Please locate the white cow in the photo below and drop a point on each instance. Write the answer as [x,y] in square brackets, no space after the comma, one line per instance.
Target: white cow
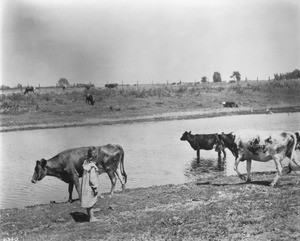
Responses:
[263,146]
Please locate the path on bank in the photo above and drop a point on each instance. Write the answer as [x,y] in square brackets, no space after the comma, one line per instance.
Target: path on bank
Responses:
[207,113]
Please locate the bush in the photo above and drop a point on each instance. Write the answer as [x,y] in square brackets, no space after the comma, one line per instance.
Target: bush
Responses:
[237,88]
[182,89]
[217,77]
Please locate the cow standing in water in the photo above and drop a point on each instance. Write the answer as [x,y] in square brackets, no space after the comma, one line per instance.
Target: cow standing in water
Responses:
[262,146]
[67,166]
[205,142]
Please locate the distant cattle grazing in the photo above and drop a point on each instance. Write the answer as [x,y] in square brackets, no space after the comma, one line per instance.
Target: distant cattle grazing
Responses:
[260,146]
[111,86]
[28,89]
[205,142]
[229,104]
[89,99]
[67,165]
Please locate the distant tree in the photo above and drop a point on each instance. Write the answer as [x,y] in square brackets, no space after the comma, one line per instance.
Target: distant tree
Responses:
[236,75]
[63,82]
[204,79]
[4,87]
[295,74]
[217,77]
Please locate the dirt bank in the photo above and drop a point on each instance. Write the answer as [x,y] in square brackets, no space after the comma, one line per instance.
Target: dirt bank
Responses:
[206,113]
[55,108]
[211,208]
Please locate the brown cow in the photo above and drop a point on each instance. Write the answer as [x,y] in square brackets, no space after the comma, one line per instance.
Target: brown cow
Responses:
[89,99]
[67,165]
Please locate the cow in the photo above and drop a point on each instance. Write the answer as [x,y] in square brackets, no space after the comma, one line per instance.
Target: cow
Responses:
[67,166]
[229,104]
[28,89]
[298,140]
[111,86]
[205,142]
[261,146]
[296,160]
[89,99]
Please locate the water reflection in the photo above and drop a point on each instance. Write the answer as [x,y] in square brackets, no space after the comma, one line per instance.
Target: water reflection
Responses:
[195,169]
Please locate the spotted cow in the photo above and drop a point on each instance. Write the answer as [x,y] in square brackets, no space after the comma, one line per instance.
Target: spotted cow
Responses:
[262,146]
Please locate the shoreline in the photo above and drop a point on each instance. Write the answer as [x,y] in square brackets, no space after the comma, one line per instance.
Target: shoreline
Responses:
[213,207]
[156,117]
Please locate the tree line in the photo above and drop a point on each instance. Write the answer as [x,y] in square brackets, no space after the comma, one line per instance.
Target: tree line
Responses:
[289,75]
[237,76]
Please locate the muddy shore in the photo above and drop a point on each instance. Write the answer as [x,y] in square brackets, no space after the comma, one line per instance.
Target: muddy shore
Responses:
[213,207]
[207,113]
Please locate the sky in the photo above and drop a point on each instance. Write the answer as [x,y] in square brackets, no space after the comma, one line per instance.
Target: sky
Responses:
[143,41]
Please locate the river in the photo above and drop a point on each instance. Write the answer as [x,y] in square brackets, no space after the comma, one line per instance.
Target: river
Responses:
[154,155]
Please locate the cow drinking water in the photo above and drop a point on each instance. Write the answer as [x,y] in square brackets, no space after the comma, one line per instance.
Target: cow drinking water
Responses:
[67,165]
[205,142]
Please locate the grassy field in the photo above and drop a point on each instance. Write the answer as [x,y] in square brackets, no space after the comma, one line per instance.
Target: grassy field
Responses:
[55,106]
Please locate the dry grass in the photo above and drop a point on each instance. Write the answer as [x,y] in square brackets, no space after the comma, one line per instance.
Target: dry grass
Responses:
[51,105]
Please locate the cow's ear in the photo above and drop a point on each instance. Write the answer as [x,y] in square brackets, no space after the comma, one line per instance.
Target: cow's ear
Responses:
[37,162]
[190,132]
[44,162]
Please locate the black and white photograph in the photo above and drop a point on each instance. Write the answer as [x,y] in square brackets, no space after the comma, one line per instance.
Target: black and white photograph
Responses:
[150,120]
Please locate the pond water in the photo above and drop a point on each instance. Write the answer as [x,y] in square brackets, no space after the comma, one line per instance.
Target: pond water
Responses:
[154,155]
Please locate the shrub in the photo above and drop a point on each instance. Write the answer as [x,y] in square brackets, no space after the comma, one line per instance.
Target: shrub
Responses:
[217,77]
[182,89]
[237,88]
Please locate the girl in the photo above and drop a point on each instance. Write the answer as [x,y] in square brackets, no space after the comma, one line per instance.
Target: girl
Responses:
[89,186]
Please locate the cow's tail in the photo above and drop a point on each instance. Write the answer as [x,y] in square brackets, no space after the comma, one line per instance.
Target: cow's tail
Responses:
[122,164]
[294,149]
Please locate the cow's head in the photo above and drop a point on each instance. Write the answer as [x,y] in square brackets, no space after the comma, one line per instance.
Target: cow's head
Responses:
[92,154]
[220,146]
[185,136]
[229,142]
[40,171]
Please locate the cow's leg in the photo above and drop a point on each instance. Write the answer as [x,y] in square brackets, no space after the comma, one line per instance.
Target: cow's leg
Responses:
[219,160]
[71,186]
[198,156]
[224,153]
[236,164]
[75,178]
[248,167]
[121,178]
[113,180]
[277,161]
